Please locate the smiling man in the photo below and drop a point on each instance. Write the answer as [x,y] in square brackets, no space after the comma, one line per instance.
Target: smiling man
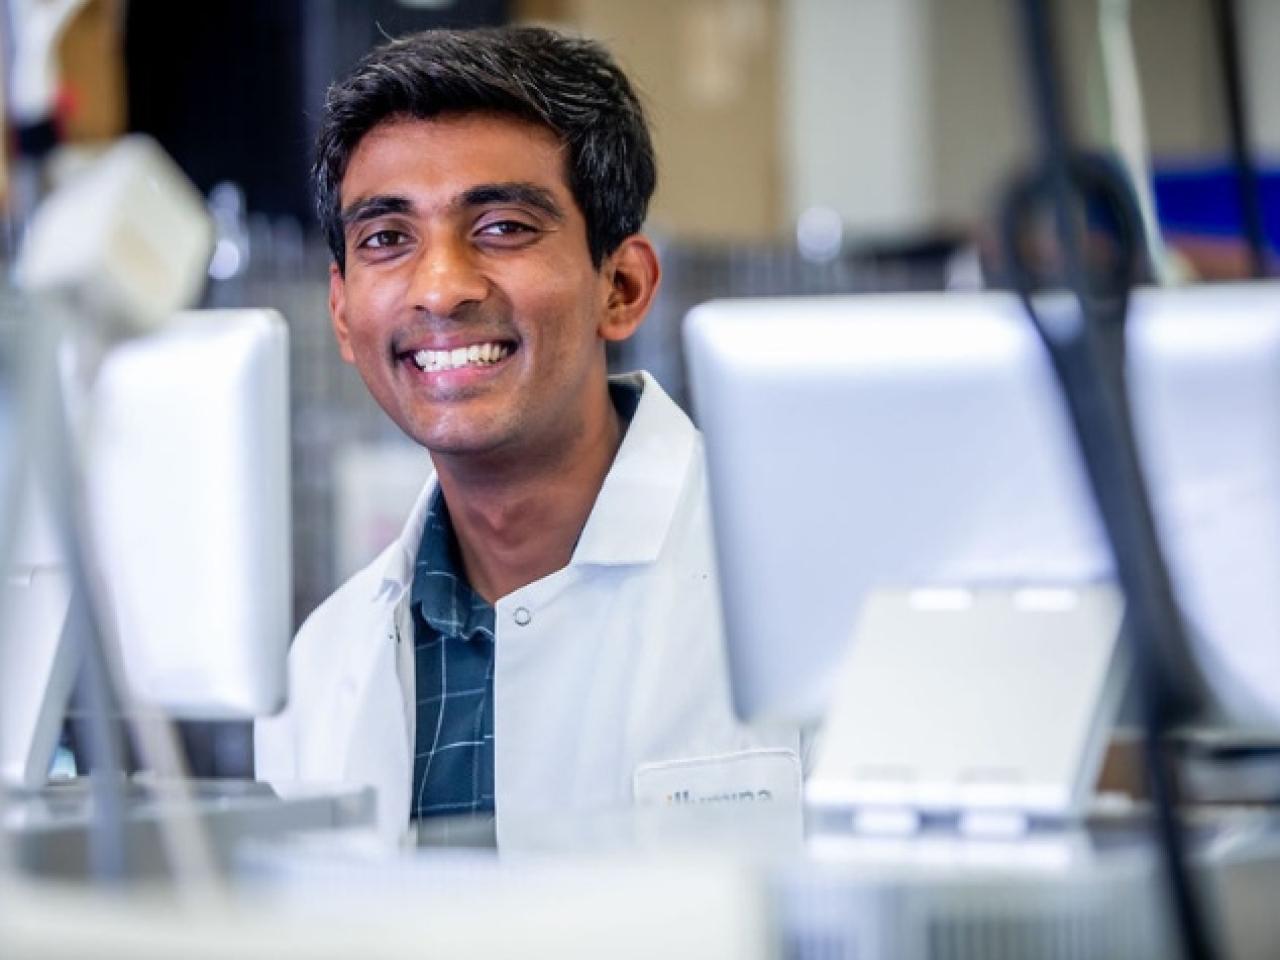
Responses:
[544,637]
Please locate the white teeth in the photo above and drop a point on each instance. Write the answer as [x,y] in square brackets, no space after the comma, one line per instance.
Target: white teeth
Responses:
[477,354]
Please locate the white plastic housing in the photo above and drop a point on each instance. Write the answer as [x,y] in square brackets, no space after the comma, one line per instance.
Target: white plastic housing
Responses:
[128,239]
[920,439]
[37,671]
[954,700]
[188,483]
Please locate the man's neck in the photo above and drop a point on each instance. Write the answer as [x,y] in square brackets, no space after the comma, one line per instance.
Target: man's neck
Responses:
[518,525]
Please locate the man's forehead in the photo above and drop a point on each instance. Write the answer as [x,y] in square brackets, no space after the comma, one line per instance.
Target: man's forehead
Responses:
[457,151]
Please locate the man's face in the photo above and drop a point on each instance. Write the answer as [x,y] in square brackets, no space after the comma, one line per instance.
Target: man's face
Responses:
[470,305]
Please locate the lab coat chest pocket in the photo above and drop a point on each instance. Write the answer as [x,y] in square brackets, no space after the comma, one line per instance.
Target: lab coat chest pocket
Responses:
[760,776]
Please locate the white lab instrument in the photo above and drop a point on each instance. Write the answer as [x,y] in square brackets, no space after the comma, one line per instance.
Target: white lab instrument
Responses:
[919,440]
[989,707]
[38,668]
[125,243]
[187,476]
[113,254]
[181,424]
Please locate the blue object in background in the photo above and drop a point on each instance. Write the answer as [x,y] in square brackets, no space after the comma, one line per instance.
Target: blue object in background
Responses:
[1204,200]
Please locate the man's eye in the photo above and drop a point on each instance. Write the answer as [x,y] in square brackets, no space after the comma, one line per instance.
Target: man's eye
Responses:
[505,228]
[382,239]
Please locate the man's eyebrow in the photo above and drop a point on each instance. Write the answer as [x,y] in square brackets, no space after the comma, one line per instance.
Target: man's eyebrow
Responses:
[373,207]
[516,192]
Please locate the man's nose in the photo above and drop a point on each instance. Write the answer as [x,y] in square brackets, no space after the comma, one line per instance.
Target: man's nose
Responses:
[447,278]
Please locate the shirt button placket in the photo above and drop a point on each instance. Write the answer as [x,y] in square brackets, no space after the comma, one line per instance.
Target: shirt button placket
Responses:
[521,616]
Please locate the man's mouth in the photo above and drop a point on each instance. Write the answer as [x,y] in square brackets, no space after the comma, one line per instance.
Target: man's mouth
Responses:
[474,355]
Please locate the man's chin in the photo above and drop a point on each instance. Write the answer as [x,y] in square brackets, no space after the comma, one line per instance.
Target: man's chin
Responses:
[456,429]
[477,444]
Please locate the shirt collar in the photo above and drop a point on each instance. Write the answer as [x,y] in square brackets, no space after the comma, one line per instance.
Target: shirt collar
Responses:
[440,589]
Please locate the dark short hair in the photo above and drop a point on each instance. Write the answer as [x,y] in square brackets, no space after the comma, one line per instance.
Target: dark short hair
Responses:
[571,86]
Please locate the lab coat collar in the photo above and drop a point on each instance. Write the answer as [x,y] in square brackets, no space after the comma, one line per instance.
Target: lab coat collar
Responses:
[632,512]
[637,503]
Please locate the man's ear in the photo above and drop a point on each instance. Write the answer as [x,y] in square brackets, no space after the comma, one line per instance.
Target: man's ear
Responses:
[633,274]
[338,312]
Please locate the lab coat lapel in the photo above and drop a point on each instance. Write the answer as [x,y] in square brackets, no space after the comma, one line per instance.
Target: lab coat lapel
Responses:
[373,721]
[377,749]
[635,506]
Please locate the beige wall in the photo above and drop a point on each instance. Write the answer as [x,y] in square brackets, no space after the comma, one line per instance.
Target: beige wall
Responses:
[1178,64]
[975,104]
[708,72]
[982,124]
[1261,51]
[857,116]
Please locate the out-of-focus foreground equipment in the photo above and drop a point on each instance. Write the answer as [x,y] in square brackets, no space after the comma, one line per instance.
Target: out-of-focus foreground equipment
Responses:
[151,445]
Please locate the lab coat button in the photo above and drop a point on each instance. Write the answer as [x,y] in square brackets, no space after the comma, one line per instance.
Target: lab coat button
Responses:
[522,616]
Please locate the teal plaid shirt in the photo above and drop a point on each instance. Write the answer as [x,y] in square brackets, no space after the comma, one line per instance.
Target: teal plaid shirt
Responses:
[453,662]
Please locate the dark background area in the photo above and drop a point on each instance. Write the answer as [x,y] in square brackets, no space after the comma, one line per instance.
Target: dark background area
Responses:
[207,79]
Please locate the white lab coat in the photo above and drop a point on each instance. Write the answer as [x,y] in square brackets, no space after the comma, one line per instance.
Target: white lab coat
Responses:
[610,684]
